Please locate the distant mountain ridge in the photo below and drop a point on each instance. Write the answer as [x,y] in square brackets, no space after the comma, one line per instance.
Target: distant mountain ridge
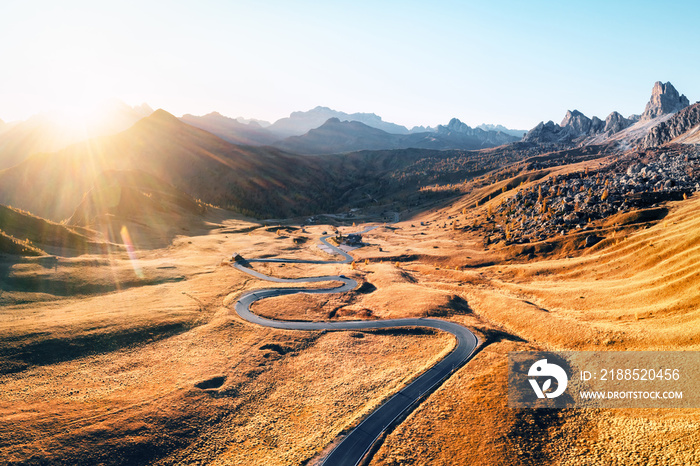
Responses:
[336,136]
[232,129]
[577,128]
[322,130]
[299,123]
[518,133]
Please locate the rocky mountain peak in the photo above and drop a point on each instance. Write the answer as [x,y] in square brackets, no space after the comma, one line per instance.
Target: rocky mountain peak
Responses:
[457,126]
[665,99]
[616,122]
[577,121]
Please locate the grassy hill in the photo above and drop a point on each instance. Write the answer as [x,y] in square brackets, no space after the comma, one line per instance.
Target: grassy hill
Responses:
[150,210]
[22,233]
[194,161]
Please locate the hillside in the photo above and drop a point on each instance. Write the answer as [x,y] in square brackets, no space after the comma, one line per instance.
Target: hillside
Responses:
[336,136]
[231,130]
[192,160]
[22,233]
[135,207]
[50,133]
[680,128]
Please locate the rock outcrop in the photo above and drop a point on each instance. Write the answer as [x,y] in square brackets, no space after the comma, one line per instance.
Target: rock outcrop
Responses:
[665,99]
[574,127]
[616,122]
[547,133]
[679,124]
[580,124]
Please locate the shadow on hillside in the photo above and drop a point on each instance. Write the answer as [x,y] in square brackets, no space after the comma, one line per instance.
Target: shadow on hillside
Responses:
[18,353]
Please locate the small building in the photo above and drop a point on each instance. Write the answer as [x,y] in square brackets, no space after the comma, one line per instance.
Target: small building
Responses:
[353,239]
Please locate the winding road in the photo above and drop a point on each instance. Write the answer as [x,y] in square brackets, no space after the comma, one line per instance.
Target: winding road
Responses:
[357,443]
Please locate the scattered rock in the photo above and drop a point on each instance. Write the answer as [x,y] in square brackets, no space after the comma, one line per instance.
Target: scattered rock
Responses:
[214,382]
[592,240]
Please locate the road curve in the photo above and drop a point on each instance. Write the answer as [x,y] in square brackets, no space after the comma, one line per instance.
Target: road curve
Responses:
[354,446]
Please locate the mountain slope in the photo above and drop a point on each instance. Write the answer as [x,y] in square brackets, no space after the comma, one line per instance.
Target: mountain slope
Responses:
[336,136]
[24,234]
[49,133]
[194,161]
[683,127]
[134,207]
[231,130]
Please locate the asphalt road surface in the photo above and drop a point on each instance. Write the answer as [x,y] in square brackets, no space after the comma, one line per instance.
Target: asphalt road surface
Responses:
[357,443]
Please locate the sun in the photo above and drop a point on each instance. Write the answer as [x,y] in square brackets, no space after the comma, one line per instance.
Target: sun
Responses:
[76,115]
[78,107]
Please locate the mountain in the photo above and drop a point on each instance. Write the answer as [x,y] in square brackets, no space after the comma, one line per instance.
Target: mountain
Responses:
[683,127]
[204,166]
[577,128]
[232,130]
[336,136]
[247,121]
[615,123]
[462,136]
[665,99]
[518,133]
[422,129]
[299,123]
[79,182]
[49,133]
[113,116]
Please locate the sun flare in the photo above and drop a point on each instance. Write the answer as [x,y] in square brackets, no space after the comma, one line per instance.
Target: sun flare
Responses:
[75,115]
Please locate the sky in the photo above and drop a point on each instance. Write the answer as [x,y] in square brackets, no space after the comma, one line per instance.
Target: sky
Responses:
[514,63]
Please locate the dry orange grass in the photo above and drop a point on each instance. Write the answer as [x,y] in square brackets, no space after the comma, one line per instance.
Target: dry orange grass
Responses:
[284,395]
[113,376]
[643,292]
[467,421]
[636,291]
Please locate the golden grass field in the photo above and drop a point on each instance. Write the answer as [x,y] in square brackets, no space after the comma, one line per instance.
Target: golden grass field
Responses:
[151,364]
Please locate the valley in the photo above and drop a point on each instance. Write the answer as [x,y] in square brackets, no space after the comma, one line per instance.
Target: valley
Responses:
[121,340]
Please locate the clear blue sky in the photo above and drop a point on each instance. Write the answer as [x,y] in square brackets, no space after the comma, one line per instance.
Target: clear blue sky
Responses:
[413,63]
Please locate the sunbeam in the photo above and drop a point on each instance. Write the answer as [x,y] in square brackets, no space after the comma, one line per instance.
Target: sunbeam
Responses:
[126,239]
